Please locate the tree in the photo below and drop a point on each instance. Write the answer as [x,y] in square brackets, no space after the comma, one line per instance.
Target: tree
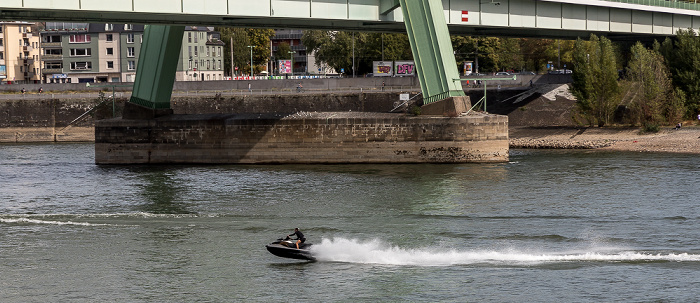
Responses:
[595,79]
[260,38]
[485,50]
[510,56]
[683,57]
[652,82]
[283,50]
[239,38]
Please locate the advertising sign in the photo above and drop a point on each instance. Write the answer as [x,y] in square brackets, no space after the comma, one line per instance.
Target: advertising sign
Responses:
[285,66]
[383,68]
[404,68]
[3,72]
[468,68]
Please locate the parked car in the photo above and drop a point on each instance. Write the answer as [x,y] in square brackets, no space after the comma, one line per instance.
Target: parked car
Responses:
[502,74]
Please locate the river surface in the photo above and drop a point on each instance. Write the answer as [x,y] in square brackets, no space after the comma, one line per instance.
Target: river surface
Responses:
[549,226]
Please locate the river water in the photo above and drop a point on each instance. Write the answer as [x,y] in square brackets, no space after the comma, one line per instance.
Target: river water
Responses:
[549,226]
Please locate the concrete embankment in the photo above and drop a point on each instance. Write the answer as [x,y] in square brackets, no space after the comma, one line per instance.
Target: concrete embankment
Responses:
[303,137]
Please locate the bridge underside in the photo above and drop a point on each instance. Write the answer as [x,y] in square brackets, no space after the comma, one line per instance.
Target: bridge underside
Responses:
[565,19]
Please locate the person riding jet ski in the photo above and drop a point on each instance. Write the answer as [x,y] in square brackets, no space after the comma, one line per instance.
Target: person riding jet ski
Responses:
[299,235]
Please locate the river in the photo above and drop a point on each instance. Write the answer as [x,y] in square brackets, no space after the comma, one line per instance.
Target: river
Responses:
[549,226]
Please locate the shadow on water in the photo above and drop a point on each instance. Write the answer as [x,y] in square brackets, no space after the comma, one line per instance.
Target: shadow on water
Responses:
[160,190]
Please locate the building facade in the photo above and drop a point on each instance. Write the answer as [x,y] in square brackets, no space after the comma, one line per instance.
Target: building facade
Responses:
[201,55]
[104,53]
[19,53]
[90,52]
[304,62]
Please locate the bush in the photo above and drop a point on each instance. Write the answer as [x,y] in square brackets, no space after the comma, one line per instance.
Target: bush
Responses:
[650,128]
[414,110]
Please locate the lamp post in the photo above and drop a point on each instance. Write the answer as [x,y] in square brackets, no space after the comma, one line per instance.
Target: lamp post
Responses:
[251,59]
[291,56]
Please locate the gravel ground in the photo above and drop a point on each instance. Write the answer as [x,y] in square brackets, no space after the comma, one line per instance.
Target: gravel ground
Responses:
[684,140]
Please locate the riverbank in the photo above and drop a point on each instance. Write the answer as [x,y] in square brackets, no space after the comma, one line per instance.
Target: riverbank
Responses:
[684,140]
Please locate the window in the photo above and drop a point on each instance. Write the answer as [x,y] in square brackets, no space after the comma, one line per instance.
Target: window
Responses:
[128,27]
[189,66]
[110,64]
[110,38]
[219,51]
[80,52]
[195,51]
[80,65]
[0,40]
[130,52]
[189,37]
[132,65]
[109,27]
[196,64]
[195,37]
[2,56]
[52,39]
[208,65]
[207,53]
[129,38]
[189,49]
[80,38]
[53,65]
[53,51]
[110,51]
[219,64]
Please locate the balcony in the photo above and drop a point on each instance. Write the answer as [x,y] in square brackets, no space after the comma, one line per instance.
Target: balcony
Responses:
[28,61]
[50,44]
[27,35]
[287,37]
[52,71]
[52,57]
[27,48]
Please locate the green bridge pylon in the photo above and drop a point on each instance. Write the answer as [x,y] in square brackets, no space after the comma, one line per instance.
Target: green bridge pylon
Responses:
[157,65]
[432,49]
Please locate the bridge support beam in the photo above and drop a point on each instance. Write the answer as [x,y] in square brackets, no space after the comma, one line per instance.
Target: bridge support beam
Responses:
[155,73]
[432,49]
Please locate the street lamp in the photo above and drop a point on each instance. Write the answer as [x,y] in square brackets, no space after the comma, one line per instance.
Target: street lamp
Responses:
[291,56]
[251,59]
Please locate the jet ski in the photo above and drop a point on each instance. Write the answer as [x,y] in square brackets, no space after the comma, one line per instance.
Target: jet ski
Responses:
[287,248]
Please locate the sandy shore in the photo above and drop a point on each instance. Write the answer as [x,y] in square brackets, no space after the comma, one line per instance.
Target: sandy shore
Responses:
[685,140]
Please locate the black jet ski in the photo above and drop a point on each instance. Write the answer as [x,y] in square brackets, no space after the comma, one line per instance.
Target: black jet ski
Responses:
[287,248]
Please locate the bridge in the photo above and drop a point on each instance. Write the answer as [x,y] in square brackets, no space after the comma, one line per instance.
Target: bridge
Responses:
[428,23]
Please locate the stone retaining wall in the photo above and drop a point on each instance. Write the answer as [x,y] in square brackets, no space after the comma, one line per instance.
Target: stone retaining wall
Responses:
[331,137]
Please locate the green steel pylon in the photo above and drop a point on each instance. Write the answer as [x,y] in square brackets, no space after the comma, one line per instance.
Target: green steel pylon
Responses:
[157,65]
[432,49]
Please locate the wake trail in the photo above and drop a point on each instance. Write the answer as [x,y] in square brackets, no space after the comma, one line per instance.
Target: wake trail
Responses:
[378,252]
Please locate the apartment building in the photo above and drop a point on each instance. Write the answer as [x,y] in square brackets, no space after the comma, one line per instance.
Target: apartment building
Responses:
[201,56]
[90,52]
[19,53]
[304,63]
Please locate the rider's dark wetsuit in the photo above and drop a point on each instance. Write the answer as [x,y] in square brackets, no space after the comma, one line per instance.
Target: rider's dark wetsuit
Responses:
[299,236]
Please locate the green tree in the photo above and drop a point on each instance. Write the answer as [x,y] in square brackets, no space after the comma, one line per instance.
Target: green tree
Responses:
[510,55]
[485,50]
[260,38]
[335,48]
[283,50]
[683,57]
[595,79]
[652,83]
[239,38]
